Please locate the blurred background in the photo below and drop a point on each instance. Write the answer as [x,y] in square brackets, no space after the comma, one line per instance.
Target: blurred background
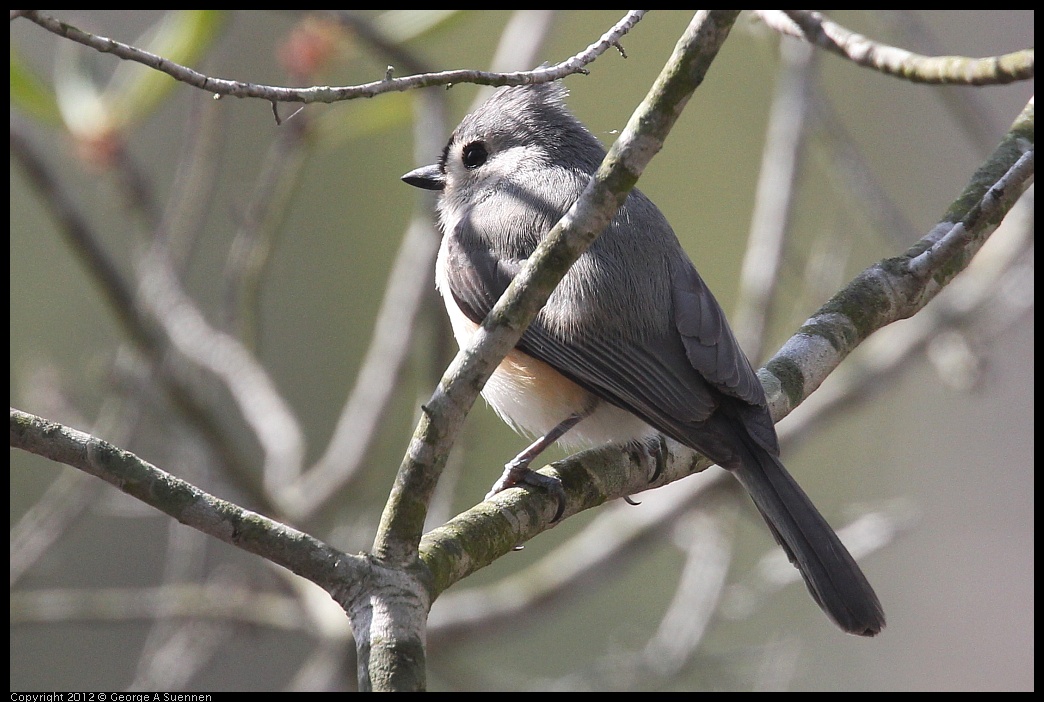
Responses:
[284,235]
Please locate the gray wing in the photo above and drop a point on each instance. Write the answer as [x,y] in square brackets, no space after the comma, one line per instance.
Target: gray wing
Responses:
[709,343]
[674,380]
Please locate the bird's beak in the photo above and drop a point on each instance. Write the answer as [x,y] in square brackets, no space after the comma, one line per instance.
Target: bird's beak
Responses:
[426,177]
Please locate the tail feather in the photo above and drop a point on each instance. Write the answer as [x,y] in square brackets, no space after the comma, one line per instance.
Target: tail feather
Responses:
[831,574]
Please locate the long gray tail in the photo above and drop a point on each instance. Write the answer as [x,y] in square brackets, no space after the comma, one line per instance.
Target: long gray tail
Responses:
[831,574]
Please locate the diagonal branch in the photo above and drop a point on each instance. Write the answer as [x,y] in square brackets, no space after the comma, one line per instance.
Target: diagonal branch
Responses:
[899,287]
[303,554]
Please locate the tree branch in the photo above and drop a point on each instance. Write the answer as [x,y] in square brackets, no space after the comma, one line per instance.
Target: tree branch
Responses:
[891,290]
[949,70]
[326,94]
[305,555]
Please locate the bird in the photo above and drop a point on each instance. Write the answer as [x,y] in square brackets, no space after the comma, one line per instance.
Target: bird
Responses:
[631,346]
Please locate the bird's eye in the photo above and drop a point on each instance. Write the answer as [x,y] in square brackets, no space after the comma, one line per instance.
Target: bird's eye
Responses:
[474,155]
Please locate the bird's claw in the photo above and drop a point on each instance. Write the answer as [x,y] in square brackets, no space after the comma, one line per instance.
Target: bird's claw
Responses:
[521,475]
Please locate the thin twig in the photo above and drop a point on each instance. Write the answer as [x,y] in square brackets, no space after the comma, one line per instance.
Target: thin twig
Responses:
[954,70]
[325,94]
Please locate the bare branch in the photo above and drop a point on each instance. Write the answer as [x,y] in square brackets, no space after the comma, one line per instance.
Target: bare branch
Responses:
[956,70]
[324,94]
[225,521]
[994,204]
[890,290]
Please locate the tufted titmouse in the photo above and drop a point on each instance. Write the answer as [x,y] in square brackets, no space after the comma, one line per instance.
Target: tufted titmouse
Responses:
[630,345]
